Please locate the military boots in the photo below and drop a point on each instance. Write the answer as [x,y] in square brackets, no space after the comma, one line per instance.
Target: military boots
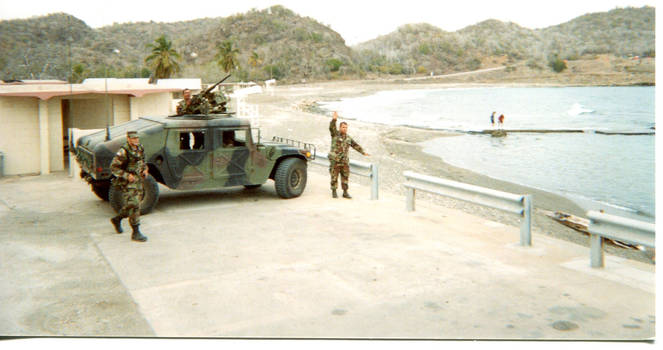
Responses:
[136,235]
[334,195]
[346,195]
[117,223]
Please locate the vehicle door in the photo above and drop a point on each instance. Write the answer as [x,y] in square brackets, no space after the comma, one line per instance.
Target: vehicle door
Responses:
[190,158]
[231,155]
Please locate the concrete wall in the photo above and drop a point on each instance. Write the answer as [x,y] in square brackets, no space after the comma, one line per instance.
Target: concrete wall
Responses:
[19,135]
[55,140]
[121,109]
[20,132]
[89,113]
[159,104]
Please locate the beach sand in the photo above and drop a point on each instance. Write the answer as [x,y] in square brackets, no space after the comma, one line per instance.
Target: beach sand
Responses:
[290,111]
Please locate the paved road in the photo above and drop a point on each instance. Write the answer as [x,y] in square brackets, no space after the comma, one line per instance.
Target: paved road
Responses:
[237,263]
[478,71]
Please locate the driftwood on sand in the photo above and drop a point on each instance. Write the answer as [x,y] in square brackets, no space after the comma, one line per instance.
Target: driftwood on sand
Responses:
[582,225]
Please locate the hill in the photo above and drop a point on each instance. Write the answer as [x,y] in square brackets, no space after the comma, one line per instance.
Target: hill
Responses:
[278,43]
[287,45]
[620,32]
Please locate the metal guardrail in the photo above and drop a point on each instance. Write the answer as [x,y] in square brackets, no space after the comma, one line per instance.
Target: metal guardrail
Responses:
[520,205]
[603,225]
[364,169]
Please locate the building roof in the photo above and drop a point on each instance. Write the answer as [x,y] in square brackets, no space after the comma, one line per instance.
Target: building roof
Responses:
[45,95]
[45,90]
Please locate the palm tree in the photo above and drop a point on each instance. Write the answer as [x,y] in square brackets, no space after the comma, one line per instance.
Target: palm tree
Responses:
[163,59]
[227,56]
[254,59]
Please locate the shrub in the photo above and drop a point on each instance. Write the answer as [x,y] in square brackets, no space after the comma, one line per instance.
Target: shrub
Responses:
[396,68]
[557,64]
[273,71]
[334,64]
[473,64]
[424,49]
[316,37]
[533,64]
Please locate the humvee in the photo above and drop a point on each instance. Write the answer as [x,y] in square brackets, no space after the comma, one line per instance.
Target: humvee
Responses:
[194,152]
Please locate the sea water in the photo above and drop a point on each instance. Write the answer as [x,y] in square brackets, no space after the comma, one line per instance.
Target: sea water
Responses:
[596,170]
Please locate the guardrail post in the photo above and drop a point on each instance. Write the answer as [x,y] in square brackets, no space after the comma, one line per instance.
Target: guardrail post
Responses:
[374,179]
[409,200]
[602,226]
[526,225]
[596,251]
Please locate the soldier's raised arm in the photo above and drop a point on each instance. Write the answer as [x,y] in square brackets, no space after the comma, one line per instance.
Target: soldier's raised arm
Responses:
[332,125]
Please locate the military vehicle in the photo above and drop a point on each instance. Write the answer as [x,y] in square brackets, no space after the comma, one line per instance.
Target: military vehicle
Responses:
[194,152]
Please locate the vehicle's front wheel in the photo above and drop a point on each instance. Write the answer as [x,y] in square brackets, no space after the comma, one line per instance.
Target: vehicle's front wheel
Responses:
[147,203]
[290,178]
[101,189]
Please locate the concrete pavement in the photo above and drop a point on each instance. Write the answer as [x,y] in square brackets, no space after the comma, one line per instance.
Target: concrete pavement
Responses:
[244,263]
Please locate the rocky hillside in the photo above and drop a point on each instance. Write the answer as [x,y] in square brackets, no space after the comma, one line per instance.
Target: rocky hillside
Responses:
[425,48]
[277,43]
[288,47]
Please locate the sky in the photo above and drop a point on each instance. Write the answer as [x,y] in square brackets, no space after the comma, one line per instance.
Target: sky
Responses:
[355,20]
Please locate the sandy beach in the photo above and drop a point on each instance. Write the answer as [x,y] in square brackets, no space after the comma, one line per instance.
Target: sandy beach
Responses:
[290,111]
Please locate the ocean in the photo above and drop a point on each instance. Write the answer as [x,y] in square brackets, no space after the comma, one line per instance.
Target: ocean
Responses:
[613,171]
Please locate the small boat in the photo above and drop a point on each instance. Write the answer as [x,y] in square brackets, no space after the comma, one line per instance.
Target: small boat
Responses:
[497,133]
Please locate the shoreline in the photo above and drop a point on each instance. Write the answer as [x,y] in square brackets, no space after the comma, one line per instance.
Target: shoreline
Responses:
[285,111]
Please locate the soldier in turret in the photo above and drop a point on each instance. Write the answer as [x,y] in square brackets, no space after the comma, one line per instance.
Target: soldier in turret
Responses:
[129,168]
[197,104]
[339,161]
[186,101]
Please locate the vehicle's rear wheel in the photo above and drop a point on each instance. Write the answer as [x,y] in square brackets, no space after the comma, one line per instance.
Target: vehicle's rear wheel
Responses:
[290,178]
[147,203]
[101,189]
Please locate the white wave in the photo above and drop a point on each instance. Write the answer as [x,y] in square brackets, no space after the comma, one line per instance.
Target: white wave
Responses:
[578,109]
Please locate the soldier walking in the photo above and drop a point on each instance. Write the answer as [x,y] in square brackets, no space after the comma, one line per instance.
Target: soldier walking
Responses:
[129,168]
[339,160]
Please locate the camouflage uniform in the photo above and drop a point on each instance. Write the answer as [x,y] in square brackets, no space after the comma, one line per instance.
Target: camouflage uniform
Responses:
[339,160]
[198,105]
[129,161]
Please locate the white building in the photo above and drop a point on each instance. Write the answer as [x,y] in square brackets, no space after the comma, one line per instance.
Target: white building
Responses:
[35,115]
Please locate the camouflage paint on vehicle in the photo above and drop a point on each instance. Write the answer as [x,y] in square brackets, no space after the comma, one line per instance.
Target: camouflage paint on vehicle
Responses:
[187,152]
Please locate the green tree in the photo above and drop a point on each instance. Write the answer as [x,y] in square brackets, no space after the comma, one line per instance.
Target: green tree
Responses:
[163,59]
[226,56]
[254,59]
[78,73]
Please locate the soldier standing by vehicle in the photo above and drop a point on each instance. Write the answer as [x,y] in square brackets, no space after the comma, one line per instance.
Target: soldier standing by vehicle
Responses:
[129,168]
[339,160]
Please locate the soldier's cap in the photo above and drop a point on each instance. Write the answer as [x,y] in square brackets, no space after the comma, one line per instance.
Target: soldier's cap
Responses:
[132,134]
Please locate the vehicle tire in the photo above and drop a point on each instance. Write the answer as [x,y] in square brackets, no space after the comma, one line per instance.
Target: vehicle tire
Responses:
[147,203]
[290,178]
[101,189]
[252,187]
